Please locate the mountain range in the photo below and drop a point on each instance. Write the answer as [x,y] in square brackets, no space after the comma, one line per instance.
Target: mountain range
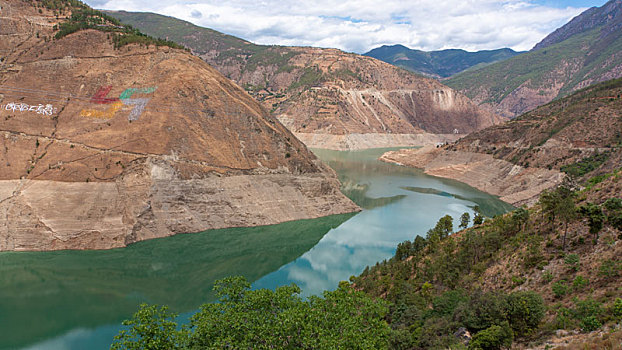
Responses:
[438,64]
[585,51]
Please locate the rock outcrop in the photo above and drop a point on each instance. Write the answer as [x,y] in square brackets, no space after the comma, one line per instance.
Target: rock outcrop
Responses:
[104,144]
[319,93]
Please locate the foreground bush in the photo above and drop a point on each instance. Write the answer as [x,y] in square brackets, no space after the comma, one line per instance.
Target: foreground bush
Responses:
[264,319]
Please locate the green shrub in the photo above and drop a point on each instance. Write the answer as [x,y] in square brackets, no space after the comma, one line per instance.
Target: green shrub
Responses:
[590,323]
[401,339]
[580,282]
[617,309]
[563,318]
[560,288]
[595,217]
[525,311]
[585,165]
[482,311]
[518,280]
[151,327]
[572,261]
[547,276]
[445,304]
[492,338]
[588,312]
[609,268]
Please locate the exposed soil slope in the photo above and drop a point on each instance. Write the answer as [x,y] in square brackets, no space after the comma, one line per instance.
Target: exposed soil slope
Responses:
[327,91]
[102,145]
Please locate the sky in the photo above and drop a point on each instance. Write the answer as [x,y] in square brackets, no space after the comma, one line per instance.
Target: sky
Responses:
[361,25]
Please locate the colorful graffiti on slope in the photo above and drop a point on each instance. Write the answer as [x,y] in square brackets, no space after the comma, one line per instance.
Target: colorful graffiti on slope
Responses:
[22,107]
[100,97]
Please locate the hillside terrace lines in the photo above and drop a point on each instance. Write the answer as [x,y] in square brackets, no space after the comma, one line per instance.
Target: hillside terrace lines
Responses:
[125,153]
[120,55]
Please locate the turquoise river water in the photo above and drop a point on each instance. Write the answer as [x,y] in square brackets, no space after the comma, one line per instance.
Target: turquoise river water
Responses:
[77,299]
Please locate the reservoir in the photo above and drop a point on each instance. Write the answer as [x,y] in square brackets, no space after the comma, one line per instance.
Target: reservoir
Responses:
[77,299]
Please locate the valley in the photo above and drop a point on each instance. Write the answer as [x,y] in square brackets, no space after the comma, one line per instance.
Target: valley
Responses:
[95,290]
[164,185]
[325,95]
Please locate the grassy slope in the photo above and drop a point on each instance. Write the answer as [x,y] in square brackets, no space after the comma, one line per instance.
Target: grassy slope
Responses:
[199,38]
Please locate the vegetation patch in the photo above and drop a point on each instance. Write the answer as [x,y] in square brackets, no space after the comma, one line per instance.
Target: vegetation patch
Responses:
[586,165]
[83,17]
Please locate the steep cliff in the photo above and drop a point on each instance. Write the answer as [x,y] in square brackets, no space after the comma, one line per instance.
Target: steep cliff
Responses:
[108,139]
[328,97]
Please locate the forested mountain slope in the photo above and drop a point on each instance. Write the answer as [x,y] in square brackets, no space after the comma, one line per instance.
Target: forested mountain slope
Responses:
[438,64]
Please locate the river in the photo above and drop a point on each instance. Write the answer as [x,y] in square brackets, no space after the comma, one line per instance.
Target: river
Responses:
[77,299]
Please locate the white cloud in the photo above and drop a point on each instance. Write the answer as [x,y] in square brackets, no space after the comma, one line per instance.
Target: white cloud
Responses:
[360,25]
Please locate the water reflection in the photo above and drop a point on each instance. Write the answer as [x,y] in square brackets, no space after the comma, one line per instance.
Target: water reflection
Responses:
[76,299]
[399,204]
[69,293]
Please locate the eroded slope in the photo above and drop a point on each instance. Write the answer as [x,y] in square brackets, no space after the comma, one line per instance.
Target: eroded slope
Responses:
[103,145]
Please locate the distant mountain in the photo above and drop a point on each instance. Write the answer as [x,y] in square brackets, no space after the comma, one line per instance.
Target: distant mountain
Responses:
[443,64]
[585,51]
[329,98]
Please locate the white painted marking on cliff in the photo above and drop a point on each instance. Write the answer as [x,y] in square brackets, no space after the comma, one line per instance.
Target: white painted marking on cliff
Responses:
[47,109]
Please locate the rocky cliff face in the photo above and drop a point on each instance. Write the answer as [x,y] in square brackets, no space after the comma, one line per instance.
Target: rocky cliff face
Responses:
[318,92]
[102,145]
[585,51]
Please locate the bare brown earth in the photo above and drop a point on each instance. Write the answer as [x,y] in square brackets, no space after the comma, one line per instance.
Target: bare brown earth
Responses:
[330,92]
[327,97]
[102,147]
[514,184]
